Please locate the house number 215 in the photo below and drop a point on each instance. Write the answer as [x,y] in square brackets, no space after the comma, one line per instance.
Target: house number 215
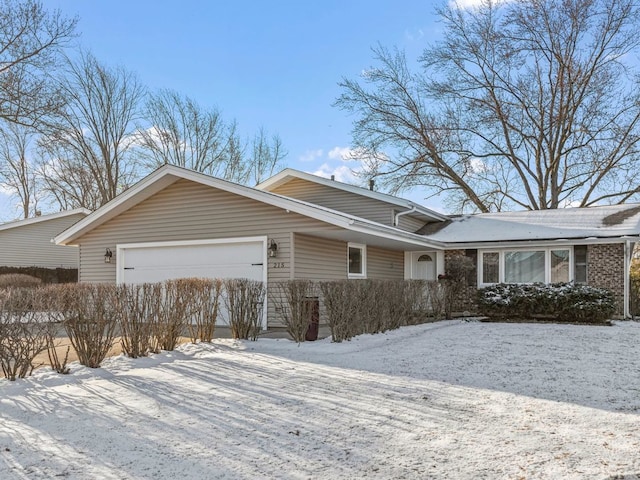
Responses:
[278,265]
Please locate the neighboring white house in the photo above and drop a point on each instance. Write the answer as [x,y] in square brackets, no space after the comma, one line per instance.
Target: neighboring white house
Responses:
[29,242]
[178,223]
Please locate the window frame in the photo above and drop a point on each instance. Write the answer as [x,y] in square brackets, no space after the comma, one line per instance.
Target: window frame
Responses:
[502,266]
[363,255]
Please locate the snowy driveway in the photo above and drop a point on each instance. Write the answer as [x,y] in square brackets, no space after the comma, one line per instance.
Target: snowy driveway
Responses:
[458,400]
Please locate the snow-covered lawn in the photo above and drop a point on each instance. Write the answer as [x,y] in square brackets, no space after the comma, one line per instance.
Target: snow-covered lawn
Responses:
[457,400]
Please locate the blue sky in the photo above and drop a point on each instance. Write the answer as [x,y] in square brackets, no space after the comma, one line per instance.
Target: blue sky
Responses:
[273,64]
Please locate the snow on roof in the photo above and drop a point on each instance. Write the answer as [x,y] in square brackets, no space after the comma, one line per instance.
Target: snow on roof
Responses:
[566,223]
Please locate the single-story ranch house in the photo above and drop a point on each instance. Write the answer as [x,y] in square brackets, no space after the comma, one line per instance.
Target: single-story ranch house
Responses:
[179,223]
[28,244]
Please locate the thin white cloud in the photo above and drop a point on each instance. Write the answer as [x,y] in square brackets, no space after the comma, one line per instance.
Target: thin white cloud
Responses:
[341,173]
[311,155]
[413,36]
[340,153]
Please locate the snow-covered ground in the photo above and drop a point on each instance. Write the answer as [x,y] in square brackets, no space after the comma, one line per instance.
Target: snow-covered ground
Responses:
[457,400]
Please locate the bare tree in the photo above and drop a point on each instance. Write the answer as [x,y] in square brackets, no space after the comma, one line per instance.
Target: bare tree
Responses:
[184,133]
[529,104]
[88,145]
[18,169]
[31,40]
[266,157]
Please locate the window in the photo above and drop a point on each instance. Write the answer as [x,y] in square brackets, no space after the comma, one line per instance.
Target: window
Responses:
[544,265]
[580,263]
[524,266]
[357,260]
[559,266]
[491,267]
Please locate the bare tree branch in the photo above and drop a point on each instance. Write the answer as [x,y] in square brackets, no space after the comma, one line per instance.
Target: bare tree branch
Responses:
[88,145]
[531,104]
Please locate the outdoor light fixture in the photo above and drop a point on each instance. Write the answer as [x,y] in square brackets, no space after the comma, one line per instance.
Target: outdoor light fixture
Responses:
[273,248]
[107,256]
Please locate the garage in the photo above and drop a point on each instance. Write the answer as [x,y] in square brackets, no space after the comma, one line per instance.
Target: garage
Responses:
[159,261]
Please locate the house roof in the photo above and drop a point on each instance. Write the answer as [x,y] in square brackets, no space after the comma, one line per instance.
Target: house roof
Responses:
[605,222]
[168,174]
[289,174]
[43,218]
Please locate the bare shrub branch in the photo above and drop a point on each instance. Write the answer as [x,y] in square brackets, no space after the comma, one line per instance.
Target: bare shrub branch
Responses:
[23,334]
[90,320]
[204,308]
[293,299]
[244,300]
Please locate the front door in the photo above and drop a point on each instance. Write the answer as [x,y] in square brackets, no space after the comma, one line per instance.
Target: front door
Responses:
[423,266]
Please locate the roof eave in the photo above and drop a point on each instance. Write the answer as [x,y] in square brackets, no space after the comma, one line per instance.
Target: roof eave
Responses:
[541,242]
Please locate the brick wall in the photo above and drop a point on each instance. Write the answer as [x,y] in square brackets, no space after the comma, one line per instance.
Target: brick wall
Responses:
[605,269]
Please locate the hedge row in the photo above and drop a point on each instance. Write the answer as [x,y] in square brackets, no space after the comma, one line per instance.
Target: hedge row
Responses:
[147,317]
[46,275]
[558,301]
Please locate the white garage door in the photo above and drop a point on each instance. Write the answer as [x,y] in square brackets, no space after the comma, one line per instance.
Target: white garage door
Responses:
[156,262]
[162,261]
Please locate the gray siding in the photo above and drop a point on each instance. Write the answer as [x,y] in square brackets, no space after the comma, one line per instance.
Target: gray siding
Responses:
[190,211]
[30,245]
[385,264]
[347,202]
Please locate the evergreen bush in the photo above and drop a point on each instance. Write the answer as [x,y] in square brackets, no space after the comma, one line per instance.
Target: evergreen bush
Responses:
[559,301]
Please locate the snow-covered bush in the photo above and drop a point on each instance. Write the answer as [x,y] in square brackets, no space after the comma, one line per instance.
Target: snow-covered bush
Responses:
[560,301]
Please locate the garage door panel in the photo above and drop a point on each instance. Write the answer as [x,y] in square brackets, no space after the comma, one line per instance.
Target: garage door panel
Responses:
[157,263]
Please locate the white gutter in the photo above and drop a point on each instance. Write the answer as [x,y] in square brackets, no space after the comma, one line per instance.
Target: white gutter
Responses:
[399,214]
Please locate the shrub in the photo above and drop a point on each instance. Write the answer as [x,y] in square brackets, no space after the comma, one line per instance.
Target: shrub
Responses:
[454,281]
[372,306]
[52,313]
[292,299]
[135,305]
[244,300]
[90,320]
[18,280]
[173,312]
[561,301]
[340,308]
[23,334]
[204,307]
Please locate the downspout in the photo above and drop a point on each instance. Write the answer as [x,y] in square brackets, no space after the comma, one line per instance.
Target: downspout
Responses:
[628,252]
[399,214]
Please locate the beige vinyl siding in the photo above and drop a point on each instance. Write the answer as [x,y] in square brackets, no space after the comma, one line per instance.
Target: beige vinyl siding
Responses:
[336,199]
[385,264]
[319,258]
[30,245]
[409,223]
[189,211]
